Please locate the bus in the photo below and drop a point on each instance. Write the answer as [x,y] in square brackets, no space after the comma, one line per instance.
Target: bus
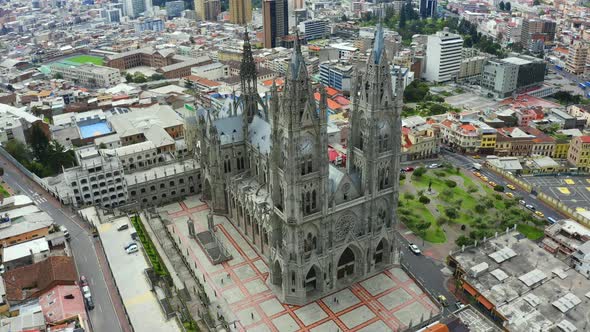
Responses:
[582,86]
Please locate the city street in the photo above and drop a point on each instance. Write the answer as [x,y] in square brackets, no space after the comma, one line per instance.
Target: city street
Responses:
[103,317]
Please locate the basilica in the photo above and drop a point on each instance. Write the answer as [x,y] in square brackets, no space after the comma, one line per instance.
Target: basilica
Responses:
[264,163]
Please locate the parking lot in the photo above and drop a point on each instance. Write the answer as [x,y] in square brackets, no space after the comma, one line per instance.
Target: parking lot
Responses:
[573,191]
[141,303]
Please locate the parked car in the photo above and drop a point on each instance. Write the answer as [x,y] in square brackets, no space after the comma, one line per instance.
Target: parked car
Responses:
[65,231]
[432,166]
[521,202]
[540,214]
[89,303]
[443,300]
[478,174]
[484,178]
[2,269]
[132,249]
[129,245]
[510,186]
[414,248]
[530,207]
[408,169]
[492,183]
[83,281]
[123,227]
[459,305]
[476,156]
[510,195]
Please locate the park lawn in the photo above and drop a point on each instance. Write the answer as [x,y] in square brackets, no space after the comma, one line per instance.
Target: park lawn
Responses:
[434,234]
[468,201]
[530,232]
[4,192]
[87,58]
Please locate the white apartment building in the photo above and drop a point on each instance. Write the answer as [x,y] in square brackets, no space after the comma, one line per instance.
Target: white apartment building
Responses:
[88,74]
[213,71]
[443,56]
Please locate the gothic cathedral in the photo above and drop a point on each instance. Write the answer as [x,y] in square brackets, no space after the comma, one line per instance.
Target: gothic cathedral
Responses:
[264,162]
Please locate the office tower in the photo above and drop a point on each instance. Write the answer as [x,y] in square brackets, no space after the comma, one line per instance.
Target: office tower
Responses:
[207,10]
[240,11]
[576,59]
[275,21]
[428,8]
[133,8]
[298,4]
[443,56]
[537,29]
[174,8]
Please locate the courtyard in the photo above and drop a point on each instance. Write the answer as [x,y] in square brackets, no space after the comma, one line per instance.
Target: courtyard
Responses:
[239,288]
[573,191]
[460,208]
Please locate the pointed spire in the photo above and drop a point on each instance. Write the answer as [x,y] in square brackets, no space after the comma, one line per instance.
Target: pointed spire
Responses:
[248,66]
[378,44]
[296,57]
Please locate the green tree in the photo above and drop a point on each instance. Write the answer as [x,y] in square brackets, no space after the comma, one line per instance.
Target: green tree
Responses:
[157,77]
[499,188]
[129,78]
[463,241]
[189,84]
[502,6]
[402,17]
[508,6]
[58,76]
[451,212]
[39,143]
[191,39]
[18,150]
[418,172]
[344,18]
[408,196]
[536,2]
[416,91]
[139,78]
[424,200]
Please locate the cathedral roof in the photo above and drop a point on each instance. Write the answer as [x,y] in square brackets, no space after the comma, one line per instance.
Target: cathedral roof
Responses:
[259,134]
[229,129]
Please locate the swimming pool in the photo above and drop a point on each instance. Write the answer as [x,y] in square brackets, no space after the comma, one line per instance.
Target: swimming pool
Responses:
[95,129]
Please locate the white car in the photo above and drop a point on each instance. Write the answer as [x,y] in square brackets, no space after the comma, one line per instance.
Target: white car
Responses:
[131,249]
[433,166]
[414,248]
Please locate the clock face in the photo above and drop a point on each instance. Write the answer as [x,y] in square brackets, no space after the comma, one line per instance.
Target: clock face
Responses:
[306,145]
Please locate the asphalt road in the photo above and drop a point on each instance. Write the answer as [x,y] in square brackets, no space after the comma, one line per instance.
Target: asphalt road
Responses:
[103,317]
[429,272]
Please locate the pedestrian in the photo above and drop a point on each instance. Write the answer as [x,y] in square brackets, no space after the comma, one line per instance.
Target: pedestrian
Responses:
[222,281]
[334,299]
[252,314]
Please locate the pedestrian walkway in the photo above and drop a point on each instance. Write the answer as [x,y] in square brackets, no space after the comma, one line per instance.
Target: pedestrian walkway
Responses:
[388,301]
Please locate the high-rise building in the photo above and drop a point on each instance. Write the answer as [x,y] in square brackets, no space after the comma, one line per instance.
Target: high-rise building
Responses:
[298,4]
[134,8]
[443,56]
[275,21]
[513,74]
[174,8]
[240,11]
[576,58]
[207,10]
[321,228]
[536,29]
[314,29]
[428,8]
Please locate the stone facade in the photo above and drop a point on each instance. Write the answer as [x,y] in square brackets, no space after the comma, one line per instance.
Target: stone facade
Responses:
[265,166]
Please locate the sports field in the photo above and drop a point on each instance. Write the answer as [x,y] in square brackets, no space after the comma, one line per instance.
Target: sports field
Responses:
[85,59]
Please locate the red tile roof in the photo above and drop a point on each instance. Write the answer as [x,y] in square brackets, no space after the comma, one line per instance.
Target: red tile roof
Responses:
[26,282]
[202,81]
[64,302]
[585,139]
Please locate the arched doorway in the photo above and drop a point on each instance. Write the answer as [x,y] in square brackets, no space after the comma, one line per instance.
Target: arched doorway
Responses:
[379,253]
[277,274]
[312,280]
[346,264]
[382,253]
[207,190]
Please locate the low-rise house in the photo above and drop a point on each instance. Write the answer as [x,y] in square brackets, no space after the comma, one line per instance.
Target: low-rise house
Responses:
[565,236]
[27,282]
[579,153]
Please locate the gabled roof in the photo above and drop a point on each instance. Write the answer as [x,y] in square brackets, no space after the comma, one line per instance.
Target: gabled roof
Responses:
[26,282]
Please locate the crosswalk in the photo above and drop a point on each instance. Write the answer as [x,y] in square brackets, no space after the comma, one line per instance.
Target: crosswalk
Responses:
[38,199]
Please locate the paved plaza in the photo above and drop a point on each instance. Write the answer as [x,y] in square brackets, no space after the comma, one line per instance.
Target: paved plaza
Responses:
[389,301]
[573,191]
[141,303]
